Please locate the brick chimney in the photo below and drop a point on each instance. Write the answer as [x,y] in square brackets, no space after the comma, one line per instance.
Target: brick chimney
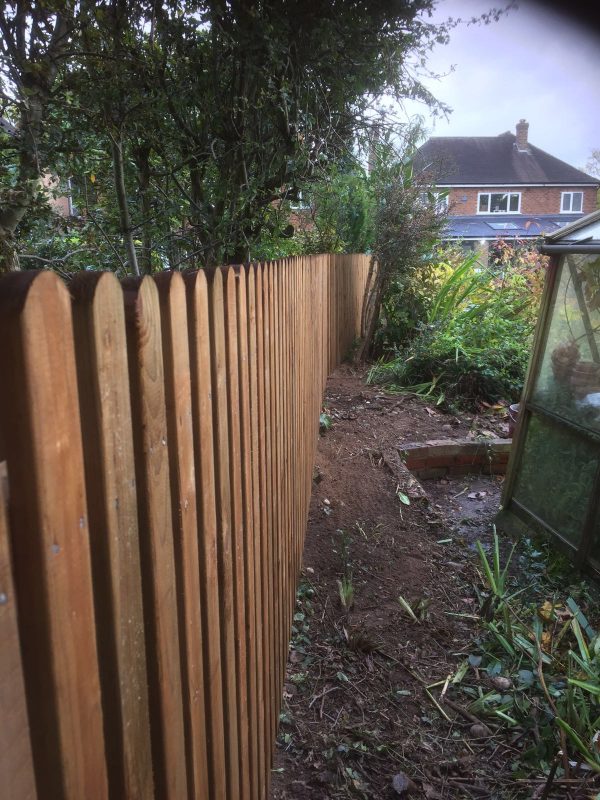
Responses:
[522,129]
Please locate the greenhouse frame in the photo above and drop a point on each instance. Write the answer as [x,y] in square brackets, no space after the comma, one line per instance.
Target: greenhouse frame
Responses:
[553,480]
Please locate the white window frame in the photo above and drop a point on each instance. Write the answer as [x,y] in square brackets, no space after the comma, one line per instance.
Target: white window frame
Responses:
[569,210]
[489,196]
[300,204]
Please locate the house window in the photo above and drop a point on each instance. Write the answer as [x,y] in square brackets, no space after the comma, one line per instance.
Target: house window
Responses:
[499,203]
[571,202]
[300,204]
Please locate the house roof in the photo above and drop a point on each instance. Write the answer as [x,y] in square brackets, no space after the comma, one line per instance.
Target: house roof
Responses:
[581,230]
[506,226]
[494,160]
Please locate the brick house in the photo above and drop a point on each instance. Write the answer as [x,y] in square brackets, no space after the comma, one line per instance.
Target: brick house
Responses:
[504,187]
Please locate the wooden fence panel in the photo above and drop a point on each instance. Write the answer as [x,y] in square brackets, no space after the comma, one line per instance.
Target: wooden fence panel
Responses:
[103,381]
[249,554]
[239,552]
[180,435]
[146,371]
[49,536]
[258,551]
[202,415]
[224,534]
[160,436]
[16,762]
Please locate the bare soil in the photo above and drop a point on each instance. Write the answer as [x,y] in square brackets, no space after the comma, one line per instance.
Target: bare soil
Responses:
[357,719]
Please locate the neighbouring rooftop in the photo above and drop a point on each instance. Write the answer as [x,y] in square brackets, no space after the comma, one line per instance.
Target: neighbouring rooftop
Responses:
[521,226]
[507,159]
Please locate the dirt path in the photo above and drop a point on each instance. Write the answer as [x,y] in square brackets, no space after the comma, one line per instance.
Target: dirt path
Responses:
[357,715]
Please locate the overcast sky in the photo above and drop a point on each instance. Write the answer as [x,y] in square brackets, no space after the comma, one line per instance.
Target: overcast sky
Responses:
[532,64]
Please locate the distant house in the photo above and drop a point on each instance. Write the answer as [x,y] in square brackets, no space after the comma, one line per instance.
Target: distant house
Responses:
[504,187]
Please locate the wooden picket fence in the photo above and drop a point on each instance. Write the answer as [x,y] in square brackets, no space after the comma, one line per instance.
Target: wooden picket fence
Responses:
[157,440]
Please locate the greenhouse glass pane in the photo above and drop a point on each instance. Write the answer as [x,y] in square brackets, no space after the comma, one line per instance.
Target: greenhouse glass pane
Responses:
[568,382]
[556,477]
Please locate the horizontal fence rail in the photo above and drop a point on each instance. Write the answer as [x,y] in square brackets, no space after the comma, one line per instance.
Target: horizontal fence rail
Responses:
[157,440]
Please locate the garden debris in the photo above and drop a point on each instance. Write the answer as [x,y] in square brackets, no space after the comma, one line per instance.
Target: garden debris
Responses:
[476,495]
[370,692]
[402,784]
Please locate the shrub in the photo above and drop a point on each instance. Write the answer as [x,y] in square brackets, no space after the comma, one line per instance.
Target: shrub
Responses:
[474,340]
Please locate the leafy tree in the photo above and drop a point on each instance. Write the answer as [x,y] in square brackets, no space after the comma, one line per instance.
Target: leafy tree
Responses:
[592,166]
[34,39]
[339,212]
[184,123]
[407,224]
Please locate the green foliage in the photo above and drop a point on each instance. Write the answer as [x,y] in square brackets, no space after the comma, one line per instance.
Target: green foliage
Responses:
[184,125]
[341,212]
[406,229]
[473,340]
[543,661]
[325,422]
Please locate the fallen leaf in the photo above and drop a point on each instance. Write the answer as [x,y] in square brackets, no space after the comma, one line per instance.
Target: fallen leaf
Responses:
[430,792]
[476,495]
[402,784]
[478,731]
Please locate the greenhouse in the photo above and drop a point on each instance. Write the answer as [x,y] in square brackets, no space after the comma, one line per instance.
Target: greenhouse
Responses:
[553,482]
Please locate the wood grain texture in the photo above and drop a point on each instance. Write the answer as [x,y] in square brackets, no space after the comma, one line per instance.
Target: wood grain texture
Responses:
[103,382]
[17,777]
[264,521]
[238,531]
[146,372]
[198,400]
[259,605]
[180,433]
[224,530]
[250,553]
[270,489]
[204,443]
[50,537]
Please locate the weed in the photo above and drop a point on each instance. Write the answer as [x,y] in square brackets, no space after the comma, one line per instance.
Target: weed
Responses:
[325,422]
[542,661]
[346,592]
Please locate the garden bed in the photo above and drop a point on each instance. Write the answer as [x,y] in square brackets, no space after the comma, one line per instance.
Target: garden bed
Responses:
[357,718]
